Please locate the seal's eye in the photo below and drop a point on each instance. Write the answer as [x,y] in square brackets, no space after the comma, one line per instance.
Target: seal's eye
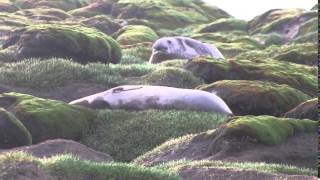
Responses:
[169,41]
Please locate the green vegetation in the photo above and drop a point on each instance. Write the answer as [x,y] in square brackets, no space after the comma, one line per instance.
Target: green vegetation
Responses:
[15,165]
[173,77]
[270,98]
[12,132]
[77,42]
[175,166]
[268,129]
[305,110]
[49,119]
[133,34]
[301,77]
[125,135]
[229,24]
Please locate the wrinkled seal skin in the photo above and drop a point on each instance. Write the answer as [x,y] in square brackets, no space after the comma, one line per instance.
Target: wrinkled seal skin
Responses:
[136,97]
[181,48]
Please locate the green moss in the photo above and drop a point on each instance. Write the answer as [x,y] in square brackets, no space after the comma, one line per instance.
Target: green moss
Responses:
[102,22]
[12,132]
[125,135]
[141,52]
[301,77]
[173,77]
[15,165]
[268,129]
[77,42]
[36,12]
[48,119]
[305,110]
[65,5]
[277,99]
[133,34]
[229,24]
[176,166]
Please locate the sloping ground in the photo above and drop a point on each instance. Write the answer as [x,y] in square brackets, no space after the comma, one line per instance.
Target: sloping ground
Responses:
[248,138]
[18,165]
[308,109]
[55,147]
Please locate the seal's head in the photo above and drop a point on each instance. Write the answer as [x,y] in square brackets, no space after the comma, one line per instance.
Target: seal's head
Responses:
[166,48]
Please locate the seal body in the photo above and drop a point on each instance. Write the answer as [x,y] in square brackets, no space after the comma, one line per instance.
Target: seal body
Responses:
[135,97]
[181,48]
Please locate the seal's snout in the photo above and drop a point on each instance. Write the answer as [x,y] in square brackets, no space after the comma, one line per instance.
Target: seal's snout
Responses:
[160,48]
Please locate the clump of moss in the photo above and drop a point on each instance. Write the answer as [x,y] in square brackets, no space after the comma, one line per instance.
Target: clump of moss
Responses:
[20,165]
[301,77]
[268,130]
[141,51]
[49,119]
[12,132]
[173,77]
[36,13]
[305,110]
[126,135]
[229,24]
[133,34]
[65,5]
[53,40]
[103,23]
[93,9]
[270,98]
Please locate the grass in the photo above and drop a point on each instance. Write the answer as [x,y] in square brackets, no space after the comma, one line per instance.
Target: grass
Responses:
[66,167]
[125,135]
[175,166]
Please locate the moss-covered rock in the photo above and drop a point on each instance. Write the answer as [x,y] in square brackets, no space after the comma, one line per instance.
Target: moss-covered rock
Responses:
[12,132]
[44,14]
[8,7]
[65,5]
[268,130]
[48,119]
[20,165]
[127,134]
[93,9]
[133,34]
[308,32]
[283,21]
[269,98]
[229,24]
[168,14]
[103,23]
[172,77]
[51,40]
[301,77]
[305,110]
[305,53]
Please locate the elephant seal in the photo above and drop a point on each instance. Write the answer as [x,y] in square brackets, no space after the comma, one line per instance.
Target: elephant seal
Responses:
[136,97]
[181,48]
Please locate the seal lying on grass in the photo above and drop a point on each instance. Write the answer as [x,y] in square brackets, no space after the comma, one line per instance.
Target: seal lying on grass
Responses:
[136,97]
[181,48]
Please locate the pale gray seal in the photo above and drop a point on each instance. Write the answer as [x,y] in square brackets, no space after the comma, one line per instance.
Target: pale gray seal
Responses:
[136,97]
[181,48]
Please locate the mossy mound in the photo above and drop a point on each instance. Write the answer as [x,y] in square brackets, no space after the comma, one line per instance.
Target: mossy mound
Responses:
[297,76]
[305,53]
[305,110]
[137,53]
[103,23]
[133,34]
[308,32]
[267,130]
[173,77]
[229,24]
[283,21]
[51,40]
[125,135]
[44,14]
[19,165]
[93,9]
[168,14]
[8,7]
[65,5]
[48,119]
[242,170]
[12,132]
[269,98]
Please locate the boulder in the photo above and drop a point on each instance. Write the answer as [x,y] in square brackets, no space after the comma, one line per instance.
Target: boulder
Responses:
[12,132]
[269,98]
[48,119]
[82,44]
